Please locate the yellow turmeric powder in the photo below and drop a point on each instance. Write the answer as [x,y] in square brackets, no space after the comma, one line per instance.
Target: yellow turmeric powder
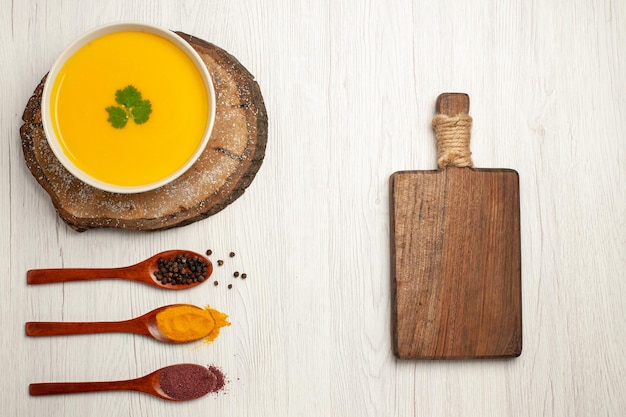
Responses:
[188,323]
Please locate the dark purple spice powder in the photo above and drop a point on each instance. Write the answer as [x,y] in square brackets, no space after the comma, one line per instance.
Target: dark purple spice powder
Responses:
[220,379]
[190,381]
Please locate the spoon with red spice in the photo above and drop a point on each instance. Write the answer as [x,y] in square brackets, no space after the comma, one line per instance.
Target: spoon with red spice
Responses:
[143,325]
[173,270]
[180,382]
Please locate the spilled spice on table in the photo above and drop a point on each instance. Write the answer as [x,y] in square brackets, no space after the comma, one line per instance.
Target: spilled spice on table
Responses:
[221,262]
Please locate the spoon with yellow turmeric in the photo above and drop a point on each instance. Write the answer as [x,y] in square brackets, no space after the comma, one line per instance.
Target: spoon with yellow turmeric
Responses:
[176,323]
[173,270]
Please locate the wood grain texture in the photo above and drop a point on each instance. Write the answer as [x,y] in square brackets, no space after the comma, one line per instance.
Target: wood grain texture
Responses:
[350,87]
[456,266]
[455,254]
[452,104]
[223,171]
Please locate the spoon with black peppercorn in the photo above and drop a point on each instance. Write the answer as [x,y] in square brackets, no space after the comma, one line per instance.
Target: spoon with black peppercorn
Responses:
[173,383]
[173,270]
[145,325]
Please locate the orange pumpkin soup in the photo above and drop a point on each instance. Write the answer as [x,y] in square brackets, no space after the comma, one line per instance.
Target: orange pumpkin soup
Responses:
[129,108]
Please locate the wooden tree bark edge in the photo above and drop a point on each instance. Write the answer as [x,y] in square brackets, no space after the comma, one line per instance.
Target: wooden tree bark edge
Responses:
[221,175]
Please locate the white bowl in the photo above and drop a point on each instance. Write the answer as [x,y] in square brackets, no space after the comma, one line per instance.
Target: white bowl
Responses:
[49,130]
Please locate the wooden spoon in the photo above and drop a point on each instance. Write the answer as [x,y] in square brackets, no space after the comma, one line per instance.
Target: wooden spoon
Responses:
[149,384]
[142,272]
[144,325]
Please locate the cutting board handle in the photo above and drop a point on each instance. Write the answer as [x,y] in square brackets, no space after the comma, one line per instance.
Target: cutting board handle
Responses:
[452,104]
[452,125]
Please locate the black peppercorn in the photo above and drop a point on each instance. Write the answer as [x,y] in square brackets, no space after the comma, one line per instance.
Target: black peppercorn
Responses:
[181,269]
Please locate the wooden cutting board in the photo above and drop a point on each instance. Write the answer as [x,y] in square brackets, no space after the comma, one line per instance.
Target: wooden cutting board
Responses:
[455,253]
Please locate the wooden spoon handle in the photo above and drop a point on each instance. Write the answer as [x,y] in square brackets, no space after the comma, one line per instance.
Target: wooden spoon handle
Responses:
[51,328]
[52,388]
[46,276]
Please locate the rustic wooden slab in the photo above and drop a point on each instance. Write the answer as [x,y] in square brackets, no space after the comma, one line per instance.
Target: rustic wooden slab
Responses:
[456,263]
[222,173]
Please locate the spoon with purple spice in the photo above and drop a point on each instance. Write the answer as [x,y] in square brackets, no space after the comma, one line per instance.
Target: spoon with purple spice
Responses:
[173,383]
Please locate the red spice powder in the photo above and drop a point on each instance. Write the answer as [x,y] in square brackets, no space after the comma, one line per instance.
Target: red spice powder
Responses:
[220,379]
[190,381]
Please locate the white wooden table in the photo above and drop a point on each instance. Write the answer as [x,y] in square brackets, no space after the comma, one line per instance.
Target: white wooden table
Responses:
[350,88]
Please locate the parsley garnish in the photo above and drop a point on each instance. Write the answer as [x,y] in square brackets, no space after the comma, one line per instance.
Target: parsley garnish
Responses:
[133,106]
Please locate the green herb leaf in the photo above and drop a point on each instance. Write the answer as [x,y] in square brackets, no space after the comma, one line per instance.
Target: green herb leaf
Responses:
[141,111]
[133,106]
[117,116]
[128,97]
